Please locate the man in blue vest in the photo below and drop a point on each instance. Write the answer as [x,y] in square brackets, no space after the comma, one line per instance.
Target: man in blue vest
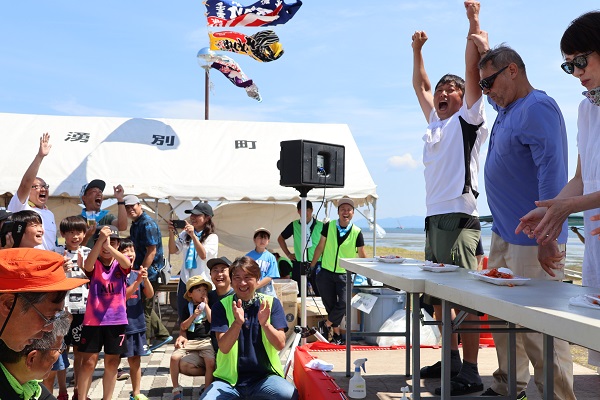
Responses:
[339,239]
[250,328]
[313,235]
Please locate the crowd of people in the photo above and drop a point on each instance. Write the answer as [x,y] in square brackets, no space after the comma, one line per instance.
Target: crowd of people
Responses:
[231,324]
[95,292]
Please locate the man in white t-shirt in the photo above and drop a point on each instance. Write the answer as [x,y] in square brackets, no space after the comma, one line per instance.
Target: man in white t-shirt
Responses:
[33,193]
[455,113]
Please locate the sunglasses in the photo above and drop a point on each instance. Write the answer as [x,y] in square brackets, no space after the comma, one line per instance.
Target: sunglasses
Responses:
[580,62]
[36,187]
[487,83]
[47,321]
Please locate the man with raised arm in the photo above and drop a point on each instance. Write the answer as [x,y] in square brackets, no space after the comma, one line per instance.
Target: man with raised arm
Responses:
[456,116]
[33,193]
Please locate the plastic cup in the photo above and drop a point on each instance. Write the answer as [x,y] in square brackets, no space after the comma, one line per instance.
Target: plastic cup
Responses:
[91,218]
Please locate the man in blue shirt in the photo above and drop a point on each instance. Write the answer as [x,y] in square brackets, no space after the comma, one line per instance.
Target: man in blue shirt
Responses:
[527,161]
[147,241]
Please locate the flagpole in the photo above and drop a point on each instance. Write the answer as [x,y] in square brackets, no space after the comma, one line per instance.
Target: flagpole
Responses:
[206,91]
[204,57]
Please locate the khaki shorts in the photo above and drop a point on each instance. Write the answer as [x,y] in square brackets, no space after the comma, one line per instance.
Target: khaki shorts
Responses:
[451,239]
[196,351]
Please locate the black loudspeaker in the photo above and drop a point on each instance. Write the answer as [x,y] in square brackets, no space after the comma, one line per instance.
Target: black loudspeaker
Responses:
[304,163]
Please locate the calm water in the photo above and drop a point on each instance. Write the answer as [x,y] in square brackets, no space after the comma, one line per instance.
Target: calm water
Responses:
[414,239]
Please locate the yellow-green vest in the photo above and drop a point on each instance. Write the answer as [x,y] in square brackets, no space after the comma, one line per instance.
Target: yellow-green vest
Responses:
[315,236]
[227,363]
[332,252]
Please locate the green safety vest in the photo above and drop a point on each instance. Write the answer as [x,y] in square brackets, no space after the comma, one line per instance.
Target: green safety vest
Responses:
[315,236]
[333,252]
[227,363]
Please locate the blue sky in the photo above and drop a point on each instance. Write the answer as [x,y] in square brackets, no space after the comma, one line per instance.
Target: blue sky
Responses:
[345,62]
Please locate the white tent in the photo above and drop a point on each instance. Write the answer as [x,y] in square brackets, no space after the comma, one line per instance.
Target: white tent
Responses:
[174,159]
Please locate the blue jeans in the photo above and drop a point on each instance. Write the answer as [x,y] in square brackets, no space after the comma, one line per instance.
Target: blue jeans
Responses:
[272,387]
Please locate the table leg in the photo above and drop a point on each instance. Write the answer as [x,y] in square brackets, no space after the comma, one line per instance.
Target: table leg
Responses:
[407,335]
[548,367]
[348,321]
[416,345]
[512,362]
[446,347]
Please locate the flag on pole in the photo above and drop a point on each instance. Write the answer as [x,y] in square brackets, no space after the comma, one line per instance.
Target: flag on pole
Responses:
[228,13]
[262,46]
[232,71]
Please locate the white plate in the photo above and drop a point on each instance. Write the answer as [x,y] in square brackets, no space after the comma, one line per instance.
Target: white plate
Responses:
[593,298]
[516,281]
[387,259]
[433,267]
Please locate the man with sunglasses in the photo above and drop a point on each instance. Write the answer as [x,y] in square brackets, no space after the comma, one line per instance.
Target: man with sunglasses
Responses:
[455,113]
[527,161]
[32,293]
[33,193]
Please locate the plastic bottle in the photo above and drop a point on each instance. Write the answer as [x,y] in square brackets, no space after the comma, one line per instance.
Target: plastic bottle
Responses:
[358,388]
[405,390]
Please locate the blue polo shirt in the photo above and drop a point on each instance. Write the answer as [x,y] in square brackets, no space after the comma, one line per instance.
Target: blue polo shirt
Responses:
[526,161]
[144,232]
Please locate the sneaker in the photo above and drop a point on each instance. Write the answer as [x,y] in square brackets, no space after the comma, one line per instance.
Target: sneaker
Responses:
[435,371]
[155,346]
[122,375]
[490,392]
[137,397]
[64,396]
[338,339]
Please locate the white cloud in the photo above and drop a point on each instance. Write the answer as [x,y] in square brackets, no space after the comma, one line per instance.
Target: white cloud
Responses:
[402,162]
[72,107]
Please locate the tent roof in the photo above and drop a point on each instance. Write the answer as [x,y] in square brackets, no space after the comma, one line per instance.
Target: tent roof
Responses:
[171,158]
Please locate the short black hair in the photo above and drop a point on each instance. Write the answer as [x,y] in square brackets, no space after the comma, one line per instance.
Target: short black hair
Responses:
[126,243]
[455,79]
[582,35]
[308,205]
[27,216]
[73,223]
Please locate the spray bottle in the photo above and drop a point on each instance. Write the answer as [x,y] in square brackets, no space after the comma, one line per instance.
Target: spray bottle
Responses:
[358,388]
[405,390]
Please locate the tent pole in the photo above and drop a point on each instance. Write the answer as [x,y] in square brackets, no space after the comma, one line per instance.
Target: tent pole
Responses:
[375,227]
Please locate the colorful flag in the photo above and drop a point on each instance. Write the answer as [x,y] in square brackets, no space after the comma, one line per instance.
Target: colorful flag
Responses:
[262,46]
[227,13]
[232,71]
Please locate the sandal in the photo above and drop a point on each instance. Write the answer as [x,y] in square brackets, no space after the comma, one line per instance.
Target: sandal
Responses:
[177,393]
[460,386]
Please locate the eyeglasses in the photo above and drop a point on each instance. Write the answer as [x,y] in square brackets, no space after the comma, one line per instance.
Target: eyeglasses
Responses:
[61,349]
[487,83]
[36,187]
[47,321]
[580,62]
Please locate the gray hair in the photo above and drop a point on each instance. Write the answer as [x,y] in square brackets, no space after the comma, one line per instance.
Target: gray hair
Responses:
[501,56]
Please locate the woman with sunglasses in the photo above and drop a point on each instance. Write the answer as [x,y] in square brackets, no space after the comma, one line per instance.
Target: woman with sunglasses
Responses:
[580,46]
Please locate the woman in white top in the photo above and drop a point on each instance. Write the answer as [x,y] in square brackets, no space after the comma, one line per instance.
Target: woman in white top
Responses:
[197,243]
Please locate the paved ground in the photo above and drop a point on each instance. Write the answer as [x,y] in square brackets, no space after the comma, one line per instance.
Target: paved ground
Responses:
[384,377]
